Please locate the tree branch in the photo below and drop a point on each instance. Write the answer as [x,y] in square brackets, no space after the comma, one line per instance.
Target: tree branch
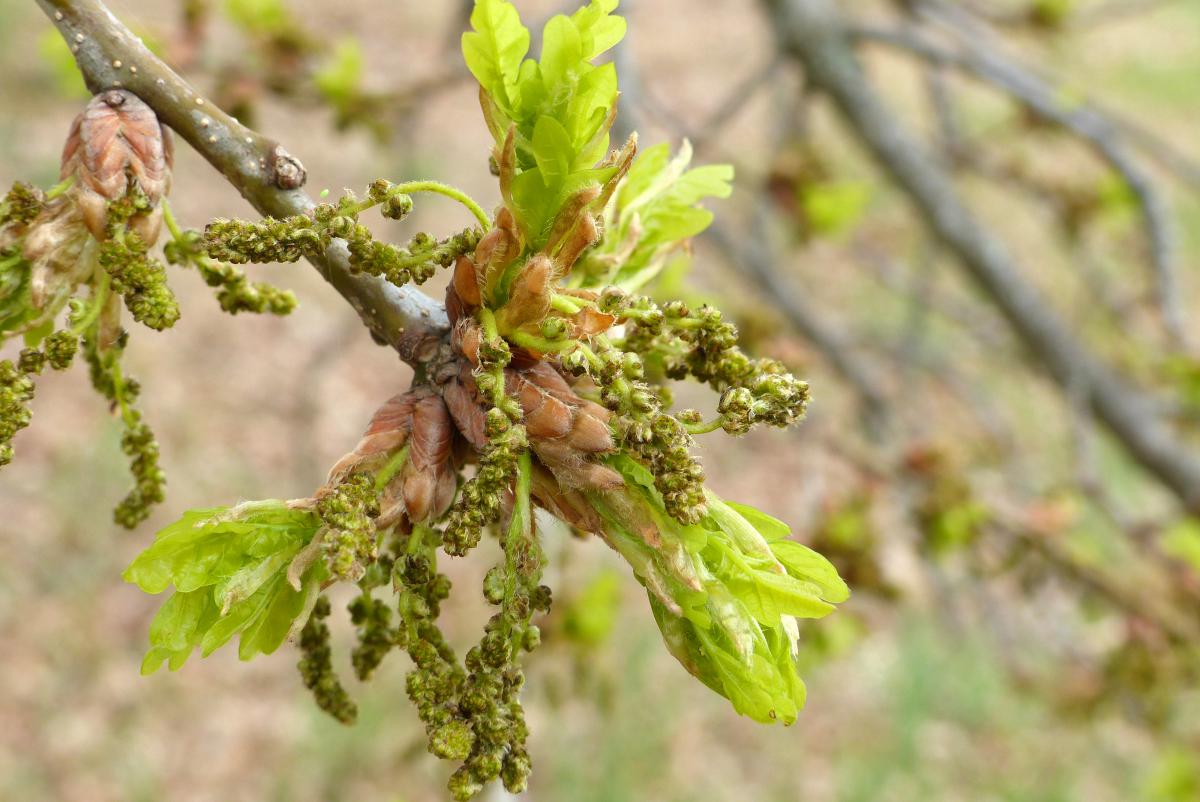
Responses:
[1084,121]
[812,33]
[110,56]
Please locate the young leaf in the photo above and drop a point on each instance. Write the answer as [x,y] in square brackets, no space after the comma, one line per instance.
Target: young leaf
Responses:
[598,29]
[768,597]
[562,54]
[754,687]
[494,49]
[652,214]
[206,546]
[229,569]
[553,153]
[745,536]
[16,306]
[737,631]
[177,629]
[246,581]
[806,564]
[769,527]
[559,108]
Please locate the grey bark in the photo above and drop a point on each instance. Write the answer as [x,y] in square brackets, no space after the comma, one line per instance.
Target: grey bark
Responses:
[813,34]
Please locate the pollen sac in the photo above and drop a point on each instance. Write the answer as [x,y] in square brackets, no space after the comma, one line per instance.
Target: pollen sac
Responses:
[115,142]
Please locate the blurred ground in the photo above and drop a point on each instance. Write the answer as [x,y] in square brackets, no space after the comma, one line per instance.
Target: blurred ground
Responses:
[919,707]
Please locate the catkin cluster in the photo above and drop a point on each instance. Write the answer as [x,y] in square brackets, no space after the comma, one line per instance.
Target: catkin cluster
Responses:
[290,238]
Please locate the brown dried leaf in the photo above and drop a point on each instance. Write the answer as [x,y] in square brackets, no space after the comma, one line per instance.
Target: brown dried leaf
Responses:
[506,162]
[545,415]
[391,504]
[54,247]
[431,432]
[589,322]
[544,375]
[418,492]
[572,467]
[623,159]
[444,490]
[497,248]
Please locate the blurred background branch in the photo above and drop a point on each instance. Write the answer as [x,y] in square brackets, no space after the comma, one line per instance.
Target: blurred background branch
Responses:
[813,33]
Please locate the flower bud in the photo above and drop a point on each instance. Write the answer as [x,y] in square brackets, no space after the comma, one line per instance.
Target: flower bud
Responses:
[613,299]
[496,423]
[463,785]
[631,366]
[531,639]
[342,226]
[676,310]
[516,771]
[397,207]
[642,401]
[574,362]
[116,138]
[493,585]
[377,190]
[452,741]
[553,328]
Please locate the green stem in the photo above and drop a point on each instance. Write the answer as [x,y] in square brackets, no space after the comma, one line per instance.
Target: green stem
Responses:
[99,298]
[170,222]
[436,187]
[521,495]
[390,469]
[60,187]
[201,262]
[705,428]
[536,343]
[684,323]
[593,360]
[520,526]
[127,414]
[487,319]
[565,304]
[416,541]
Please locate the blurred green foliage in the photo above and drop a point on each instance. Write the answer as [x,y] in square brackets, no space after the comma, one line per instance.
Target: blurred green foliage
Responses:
[58,58]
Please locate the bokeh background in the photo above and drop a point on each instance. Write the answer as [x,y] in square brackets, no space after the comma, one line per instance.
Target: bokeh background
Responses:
[1026,598]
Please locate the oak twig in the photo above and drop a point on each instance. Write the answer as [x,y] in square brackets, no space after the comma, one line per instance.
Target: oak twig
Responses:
[109,55]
